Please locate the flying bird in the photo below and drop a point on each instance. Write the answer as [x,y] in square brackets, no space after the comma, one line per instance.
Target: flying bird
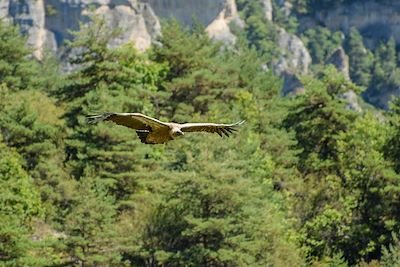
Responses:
[153,131]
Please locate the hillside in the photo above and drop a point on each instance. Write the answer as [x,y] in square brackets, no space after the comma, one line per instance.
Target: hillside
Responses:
[293,28]
[312,178]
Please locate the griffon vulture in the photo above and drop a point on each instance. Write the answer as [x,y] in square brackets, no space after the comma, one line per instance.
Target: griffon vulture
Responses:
[153,131]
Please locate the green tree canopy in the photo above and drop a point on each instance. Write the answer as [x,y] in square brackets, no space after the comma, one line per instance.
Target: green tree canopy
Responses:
[19,203]
[17,69]
[360,59]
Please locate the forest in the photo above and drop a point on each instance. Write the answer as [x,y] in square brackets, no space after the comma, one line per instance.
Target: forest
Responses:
[306,181]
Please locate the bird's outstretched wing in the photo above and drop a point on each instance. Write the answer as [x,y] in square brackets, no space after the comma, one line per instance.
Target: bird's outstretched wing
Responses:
[135,121]
[220,129]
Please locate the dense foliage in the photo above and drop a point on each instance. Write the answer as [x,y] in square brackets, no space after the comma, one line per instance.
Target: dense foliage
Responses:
[306,182]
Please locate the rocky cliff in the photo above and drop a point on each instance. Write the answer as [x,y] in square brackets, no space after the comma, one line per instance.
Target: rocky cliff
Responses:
[376,20]
[48,23]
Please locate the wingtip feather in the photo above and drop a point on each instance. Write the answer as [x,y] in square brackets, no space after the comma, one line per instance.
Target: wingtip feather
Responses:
[92,119]
[239,123]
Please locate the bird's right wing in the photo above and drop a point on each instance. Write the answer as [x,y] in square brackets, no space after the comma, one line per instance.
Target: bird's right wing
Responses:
[211,127]
[135,121]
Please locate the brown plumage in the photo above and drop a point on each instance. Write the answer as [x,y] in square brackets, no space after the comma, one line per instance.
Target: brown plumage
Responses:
[153,131]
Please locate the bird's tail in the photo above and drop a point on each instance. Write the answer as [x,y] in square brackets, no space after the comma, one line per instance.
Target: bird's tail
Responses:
[143,136]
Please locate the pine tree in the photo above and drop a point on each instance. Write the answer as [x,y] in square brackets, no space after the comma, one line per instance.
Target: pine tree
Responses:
[17,68]
[195,218]
[345,203]
[372,185]
[320,108]
[392,151]
[29,118]
[107,79]
[19,203]
[19,197]
[91,238]
[360,59]
[213,213]
[321,43]
[194,78]
[386,75]
[29,123]
[317,118]
[260,33]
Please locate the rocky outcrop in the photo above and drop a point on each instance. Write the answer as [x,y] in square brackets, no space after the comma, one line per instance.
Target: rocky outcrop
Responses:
[216,15]
[138,23]
[375,19]
[286,7]
[48,23]
[30,16]
[204,11]
[295,57]
[291,84]
[351,98]
[340,61]
[219,29]
[293,61]
[267,6]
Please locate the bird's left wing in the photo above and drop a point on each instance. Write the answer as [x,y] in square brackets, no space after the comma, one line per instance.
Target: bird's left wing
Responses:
[135,121]
[211,127]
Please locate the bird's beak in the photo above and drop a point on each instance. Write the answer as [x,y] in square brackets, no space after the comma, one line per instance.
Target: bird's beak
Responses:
[181,133]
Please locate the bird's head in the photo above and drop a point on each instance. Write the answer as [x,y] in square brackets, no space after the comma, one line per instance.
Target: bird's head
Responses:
[176,133]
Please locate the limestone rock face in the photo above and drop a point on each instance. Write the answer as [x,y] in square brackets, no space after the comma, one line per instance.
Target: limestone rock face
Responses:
[267,6]
[30,15]
[48,23]
[138,29]
[219,28]
[286,7]
[340,60]
[294,61]
[295,57]
[351,99]
[375,19]
[291,84]
[217,15]
[205,11]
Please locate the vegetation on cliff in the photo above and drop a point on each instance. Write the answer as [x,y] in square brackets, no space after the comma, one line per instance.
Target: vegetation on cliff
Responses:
[307,182]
